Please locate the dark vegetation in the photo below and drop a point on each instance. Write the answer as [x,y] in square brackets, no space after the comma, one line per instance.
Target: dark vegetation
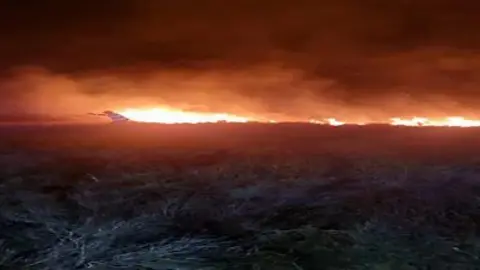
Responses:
[239,197]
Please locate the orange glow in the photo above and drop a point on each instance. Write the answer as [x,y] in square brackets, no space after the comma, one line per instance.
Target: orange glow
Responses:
[172,116]
[454,121]
[169,116]
[328,121]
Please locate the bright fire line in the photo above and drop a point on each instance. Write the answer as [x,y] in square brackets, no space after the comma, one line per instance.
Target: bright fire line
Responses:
[172,116]
[168,116]
[453,121]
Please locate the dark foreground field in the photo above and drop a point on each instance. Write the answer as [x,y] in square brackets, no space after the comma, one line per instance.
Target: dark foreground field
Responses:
[239,197]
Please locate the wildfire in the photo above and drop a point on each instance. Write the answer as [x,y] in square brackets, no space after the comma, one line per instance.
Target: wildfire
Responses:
[328,121]
[455,121]
[171,116]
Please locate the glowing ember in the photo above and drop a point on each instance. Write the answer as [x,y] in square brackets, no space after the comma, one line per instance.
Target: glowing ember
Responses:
[169,116]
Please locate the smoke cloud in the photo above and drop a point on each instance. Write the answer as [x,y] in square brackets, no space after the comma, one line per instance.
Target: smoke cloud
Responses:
[284,59]
[269,92]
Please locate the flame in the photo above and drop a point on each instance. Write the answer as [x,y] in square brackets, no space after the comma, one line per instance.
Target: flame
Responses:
[171,116]
[328,121]
[454,121]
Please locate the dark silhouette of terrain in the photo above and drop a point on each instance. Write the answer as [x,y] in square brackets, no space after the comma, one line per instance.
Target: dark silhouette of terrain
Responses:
[239,196]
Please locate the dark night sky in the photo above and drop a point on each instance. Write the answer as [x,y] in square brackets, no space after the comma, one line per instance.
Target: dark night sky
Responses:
[332,54]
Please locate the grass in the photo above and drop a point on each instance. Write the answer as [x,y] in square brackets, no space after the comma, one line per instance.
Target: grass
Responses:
[114,206]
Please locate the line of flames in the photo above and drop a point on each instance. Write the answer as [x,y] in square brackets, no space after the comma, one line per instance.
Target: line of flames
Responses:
[453,121]
[170,116]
